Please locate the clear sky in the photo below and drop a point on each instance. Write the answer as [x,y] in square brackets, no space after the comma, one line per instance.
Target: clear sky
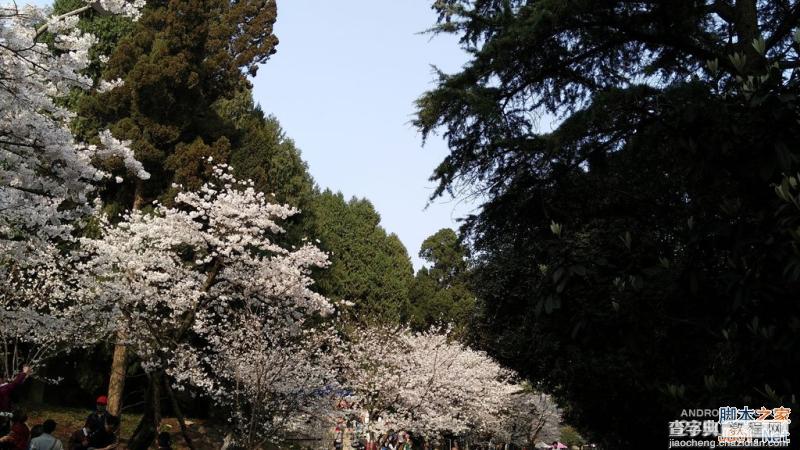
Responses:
[343,85]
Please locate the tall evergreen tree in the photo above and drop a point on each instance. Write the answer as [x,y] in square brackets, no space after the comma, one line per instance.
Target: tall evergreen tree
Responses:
[440,293]
[179,59]
[633,259]
[368,266]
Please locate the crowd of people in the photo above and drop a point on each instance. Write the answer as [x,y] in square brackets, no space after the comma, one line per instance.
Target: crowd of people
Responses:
[392,440]
[99,432]
[395,441]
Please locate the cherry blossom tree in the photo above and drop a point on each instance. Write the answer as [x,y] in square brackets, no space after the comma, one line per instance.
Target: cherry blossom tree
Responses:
[46,178]
[39,317]
[425,383]
[274,380]
[432,385]
[191,284]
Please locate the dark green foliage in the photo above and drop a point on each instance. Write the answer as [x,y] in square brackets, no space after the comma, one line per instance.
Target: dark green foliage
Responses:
[180,58]
[262,152]
[440,293]
[636,260]
[368,266]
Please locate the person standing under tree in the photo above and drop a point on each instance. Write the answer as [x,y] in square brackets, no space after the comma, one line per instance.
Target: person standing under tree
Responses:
[338,438]
[164,441]
[406,441]
[106,437]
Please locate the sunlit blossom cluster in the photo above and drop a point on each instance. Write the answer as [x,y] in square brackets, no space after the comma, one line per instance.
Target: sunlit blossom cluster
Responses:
[39,315]
[272,379]
[132,9]
[186,270]
[430,384]
[46,177]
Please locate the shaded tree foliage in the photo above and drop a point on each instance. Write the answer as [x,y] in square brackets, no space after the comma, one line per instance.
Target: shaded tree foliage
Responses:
[369,266]
[632,259]
[440,293]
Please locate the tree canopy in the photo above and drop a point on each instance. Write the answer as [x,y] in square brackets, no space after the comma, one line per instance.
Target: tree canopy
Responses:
[261,151]
[635,259]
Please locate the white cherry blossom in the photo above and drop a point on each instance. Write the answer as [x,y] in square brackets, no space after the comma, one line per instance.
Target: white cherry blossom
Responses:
[429,384]
[46,178]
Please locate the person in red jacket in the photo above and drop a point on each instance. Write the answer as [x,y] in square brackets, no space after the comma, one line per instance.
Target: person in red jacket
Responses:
[6,389]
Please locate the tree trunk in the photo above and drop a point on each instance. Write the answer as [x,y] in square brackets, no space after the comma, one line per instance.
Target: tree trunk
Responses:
[176,408]
[119,364]
[116,384]
[746,26]
[147,430]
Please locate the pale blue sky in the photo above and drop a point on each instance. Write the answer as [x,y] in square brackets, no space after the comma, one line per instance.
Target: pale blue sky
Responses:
[343,85]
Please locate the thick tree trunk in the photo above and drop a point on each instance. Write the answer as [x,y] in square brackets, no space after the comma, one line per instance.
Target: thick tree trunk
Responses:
[147,430]
[116,384]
